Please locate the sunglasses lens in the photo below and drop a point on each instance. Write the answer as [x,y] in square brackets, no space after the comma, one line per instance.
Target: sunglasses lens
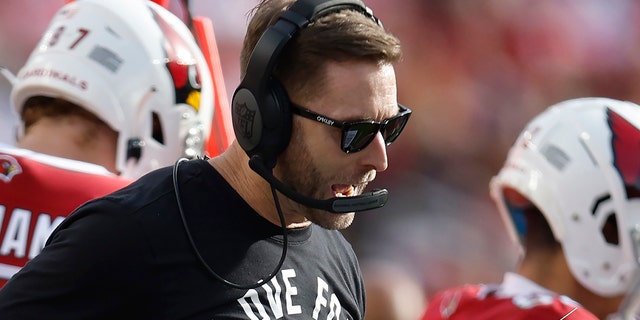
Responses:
[394,127]
[357,136]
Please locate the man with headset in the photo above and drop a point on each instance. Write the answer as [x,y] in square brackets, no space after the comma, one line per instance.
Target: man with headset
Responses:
[252,233]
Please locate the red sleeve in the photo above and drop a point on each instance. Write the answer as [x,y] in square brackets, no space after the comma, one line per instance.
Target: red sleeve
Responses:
[35,197]
[475,302]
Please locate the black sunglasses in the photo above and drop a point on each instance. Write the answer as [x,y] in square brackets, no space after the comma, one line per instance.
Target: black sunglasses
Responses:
[357,135]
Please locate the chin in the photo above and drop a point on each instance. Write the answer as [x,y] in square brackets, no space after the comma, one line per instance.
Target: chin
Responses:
[332,221]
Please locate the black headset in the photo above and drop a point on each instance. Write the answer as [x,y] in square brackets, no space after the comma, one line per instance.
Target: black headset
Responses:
[261,111]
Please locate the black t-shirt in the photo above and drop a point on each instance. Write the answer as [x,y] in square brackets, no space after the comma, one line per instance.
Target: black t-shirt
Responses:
[127,256]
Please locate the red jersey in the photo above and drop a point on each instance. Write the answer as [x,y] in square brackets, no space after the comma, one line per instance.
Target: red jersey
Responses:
[36,192]
[517,298]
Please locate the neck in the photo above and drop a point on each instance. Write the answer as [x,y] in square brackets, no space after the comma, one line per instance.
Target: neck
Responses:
[233,165]
[72,137]
[550,270]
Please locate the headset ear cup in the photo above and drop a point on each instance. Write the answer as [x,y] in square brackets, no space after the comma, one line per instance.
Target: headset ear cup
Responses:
[247,120]
[277,119]
[262,126]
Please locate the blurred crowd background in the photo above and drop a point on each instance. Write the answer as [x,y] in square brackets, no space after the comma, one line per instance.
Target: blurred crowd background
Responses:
[474,72]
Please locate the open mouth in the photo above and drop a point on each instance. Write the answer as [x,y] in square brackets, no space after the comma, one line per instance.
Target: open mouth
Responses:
[343,190]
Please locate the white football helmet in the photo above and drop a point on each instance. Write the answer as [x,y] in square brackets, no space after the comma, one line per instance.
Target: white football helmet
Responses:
[578,162]
[137,67]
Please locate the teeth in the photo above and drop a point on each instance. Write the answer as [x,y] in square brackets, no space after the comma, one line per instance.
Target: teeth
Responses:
[347,193]
[350,191]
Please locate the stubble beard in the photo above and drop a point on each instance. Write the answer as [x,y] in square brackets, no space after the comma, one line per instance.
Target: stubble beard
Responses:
[302,174]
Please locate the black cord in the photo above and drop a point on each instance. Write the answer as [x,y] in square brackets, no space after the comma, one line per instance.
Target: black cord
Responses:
[197,252]
[185,4]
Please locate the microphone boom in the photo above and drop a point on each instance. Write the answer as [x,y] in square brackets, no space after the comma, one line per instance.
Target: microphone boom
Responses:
[366,201]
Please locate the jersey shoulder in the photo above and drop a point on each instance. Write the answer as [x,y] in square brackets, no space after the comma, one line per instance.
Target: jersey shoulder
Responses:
[24,173]
[483,302]
[30,184]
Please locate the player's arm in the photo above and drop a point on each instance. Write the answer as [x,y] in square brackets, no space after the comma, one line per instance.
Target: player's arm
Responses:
[74,276]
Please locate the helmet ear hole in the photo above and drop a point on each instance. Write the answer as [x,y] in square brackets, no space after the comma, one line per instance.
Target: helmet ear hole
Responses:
[156,130]
[610,230]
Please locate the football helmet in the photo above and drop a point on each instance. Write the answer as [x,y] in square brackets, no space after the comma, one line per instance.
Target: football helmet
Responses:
[137,67]
[578,162]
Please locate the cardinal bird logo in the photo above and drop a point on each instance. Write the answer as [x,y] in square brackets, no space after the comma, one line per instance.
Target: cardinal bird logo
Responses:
[9,167]
[625,143]
[182,65]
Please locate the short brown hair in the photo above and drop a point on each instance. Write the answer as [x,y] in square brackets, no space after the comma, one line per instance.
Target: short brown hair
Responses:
[37,107]
[338,36]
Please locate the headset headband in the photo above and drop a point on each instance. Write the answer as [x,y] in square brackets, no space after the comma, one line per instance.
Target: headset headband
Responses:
[272,42]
